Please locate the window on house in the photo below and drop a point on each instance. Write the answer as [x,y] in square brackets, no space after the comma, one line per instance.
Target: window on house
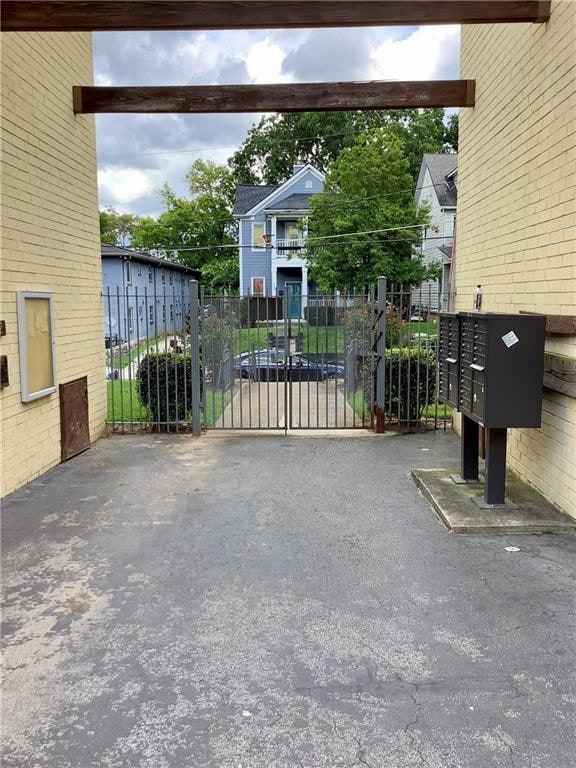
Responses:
[258,235]
[150,274]
[171,311]
[139,270]
[163,277]
[258,286]
[128,272]
[163,313]
[171,278]
[292,232]
[151,313]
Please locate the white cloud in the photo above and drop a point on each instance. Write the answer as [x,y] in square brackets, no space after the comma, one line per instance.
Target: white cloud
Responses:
[421,56]
[131,148]
[264,62]
[124,185]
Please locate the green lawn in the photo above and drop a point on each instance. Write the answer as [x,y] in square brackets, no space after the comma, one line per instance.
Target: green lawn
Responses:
[123,402]
[215,401]
[360,406]
[139,350]
[430,328]
[440,411]
[316,338]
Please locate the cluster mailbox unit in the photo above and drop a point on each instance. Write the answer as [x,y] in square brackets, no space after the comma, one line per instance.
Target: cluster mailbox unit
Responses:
[491,368]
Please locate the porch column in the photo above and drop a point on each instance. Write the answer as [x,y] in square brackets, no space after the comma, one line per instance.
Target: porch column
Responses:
[304,288]
[273,256]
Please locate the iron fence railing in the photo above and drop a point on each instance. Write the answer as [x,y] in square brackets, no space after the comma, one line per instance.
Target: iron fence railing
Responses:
[148,359]
[286,361]
[176,361]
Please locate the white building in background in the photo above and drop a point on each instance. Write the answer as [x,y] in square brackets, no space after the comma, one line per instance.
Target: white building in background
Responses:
[437,188]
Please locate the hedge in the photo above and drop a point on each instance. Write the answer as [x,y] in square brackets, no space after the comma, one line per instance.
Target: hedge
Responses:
[406,398]
[402,403]
[165,387]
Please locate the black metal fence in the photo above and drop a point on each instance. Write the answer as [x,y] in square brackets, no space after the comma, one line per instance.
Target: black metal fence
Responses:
[178,362]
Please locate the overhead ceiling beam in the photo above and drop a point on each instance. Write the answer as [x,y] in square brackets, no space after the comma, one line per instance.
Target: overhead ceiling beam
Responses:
[292,97]
[123,15]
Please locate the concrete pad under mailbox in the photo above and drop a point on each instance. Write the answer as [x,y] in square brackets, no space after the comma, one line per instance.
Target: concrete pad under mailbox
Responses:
[456,506]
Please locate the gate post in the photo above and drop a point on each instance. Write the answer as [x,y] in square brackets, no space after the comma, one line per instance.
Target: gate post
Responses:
[381,357]
[195,357]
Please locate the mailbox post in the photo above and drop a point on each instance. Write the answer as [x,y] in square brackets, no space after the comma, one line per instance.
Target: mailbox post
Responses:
[491,370]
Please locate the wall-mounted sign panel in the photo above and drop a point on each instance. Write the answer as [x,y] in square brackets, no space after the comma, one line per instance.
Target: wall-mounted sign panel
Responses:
[37,346]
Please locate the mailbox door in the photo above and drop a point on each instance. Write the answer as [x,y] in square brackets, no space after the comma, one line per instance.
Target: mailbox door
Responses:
[449,359]
[473,366]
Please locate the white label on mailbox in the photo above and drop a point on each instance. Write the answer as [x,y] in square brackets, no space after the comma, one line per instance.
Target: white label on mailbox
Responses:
[510,339]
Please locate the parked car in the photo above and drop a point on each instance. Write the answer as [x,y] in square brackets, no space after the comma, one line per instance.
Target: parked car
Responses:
[270,365]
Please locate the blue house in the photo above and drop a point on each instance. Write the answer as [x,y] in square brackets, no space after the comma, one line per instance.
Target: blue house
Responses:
[271,244]
[144,296]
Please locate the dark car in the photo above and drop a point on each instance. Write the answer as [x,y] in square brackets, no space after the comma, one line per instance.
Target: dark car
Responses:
[272,365]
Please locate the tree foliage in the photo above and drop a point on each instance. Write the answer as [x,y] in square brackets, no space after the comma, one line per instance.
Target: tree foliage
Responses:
[193,231]
[278,141]
[368,188]
[117,228]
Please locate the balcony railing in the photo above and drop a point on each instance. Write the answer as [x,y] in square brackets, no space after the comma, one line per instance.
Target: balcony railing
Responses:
[287,248]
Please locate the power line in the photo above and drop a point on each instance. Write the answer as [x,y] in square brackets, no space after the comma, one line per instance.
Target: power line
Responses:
[356,203]
[295,251]
[189,150]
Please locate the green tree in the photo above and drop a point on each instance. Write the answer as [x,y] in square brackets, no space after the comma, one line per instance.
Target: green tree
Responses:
[198,232]
[451,134]
[117,228]
[207,178]
[277,142]
[367,189]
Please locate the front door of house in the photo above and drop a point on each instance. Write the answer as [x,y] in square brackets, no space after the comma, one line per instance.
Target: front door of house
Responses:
[294,295]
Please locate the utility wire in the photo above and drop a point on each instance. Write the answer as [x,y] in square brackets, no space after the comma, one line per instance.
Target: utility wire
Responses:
[356,203]
[294,251]
[189,150]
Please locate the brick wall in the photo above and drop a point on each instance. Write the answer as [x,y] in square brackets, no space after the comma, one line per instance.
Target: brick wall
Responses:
[516,208]
[50,237]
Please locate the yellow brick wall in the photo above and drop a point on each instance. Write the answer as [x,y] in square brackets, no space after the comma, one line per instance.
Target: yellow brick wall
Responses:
[50,237]
[516,208]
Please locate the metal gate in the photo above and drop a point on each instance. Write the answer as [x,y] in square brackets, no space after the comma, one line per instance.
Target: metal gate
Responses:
[288,362]
[177,361]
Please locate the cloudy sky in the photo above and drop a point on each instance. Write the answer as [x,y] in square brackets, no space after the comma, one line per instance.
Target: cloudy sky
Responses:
[138,153]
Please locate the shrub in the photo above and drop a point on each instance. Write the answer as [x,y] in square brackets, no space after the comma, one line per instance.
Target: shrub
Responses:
[410,383]
[165,387]
[324,315]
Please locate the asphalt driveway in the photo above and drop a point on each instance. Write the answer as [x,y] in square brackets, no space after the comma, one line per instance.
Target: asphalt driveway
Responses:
[269,602]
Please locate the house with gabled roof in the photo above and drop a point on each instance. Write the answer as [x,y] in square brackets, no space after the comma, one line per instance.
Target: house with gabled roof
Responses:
[271,241]
[437,187]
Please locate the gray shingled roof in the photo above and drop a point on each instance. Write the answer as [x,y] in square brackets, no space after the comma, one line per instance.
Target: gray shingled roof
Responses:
[118,252]
[441,166]
[296,202]
[249,195]
[446,250]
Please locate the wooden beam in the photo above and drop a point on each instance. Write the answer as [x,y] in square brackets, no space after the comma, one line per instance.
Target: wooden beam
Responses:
[292,97]
[121,15]
[560,374]
[558,325]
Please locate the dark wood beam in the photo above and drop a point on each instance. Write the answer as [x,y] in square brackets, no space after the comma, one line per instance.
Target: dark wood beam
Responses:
[293,97]
[121,15]
[560,374]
